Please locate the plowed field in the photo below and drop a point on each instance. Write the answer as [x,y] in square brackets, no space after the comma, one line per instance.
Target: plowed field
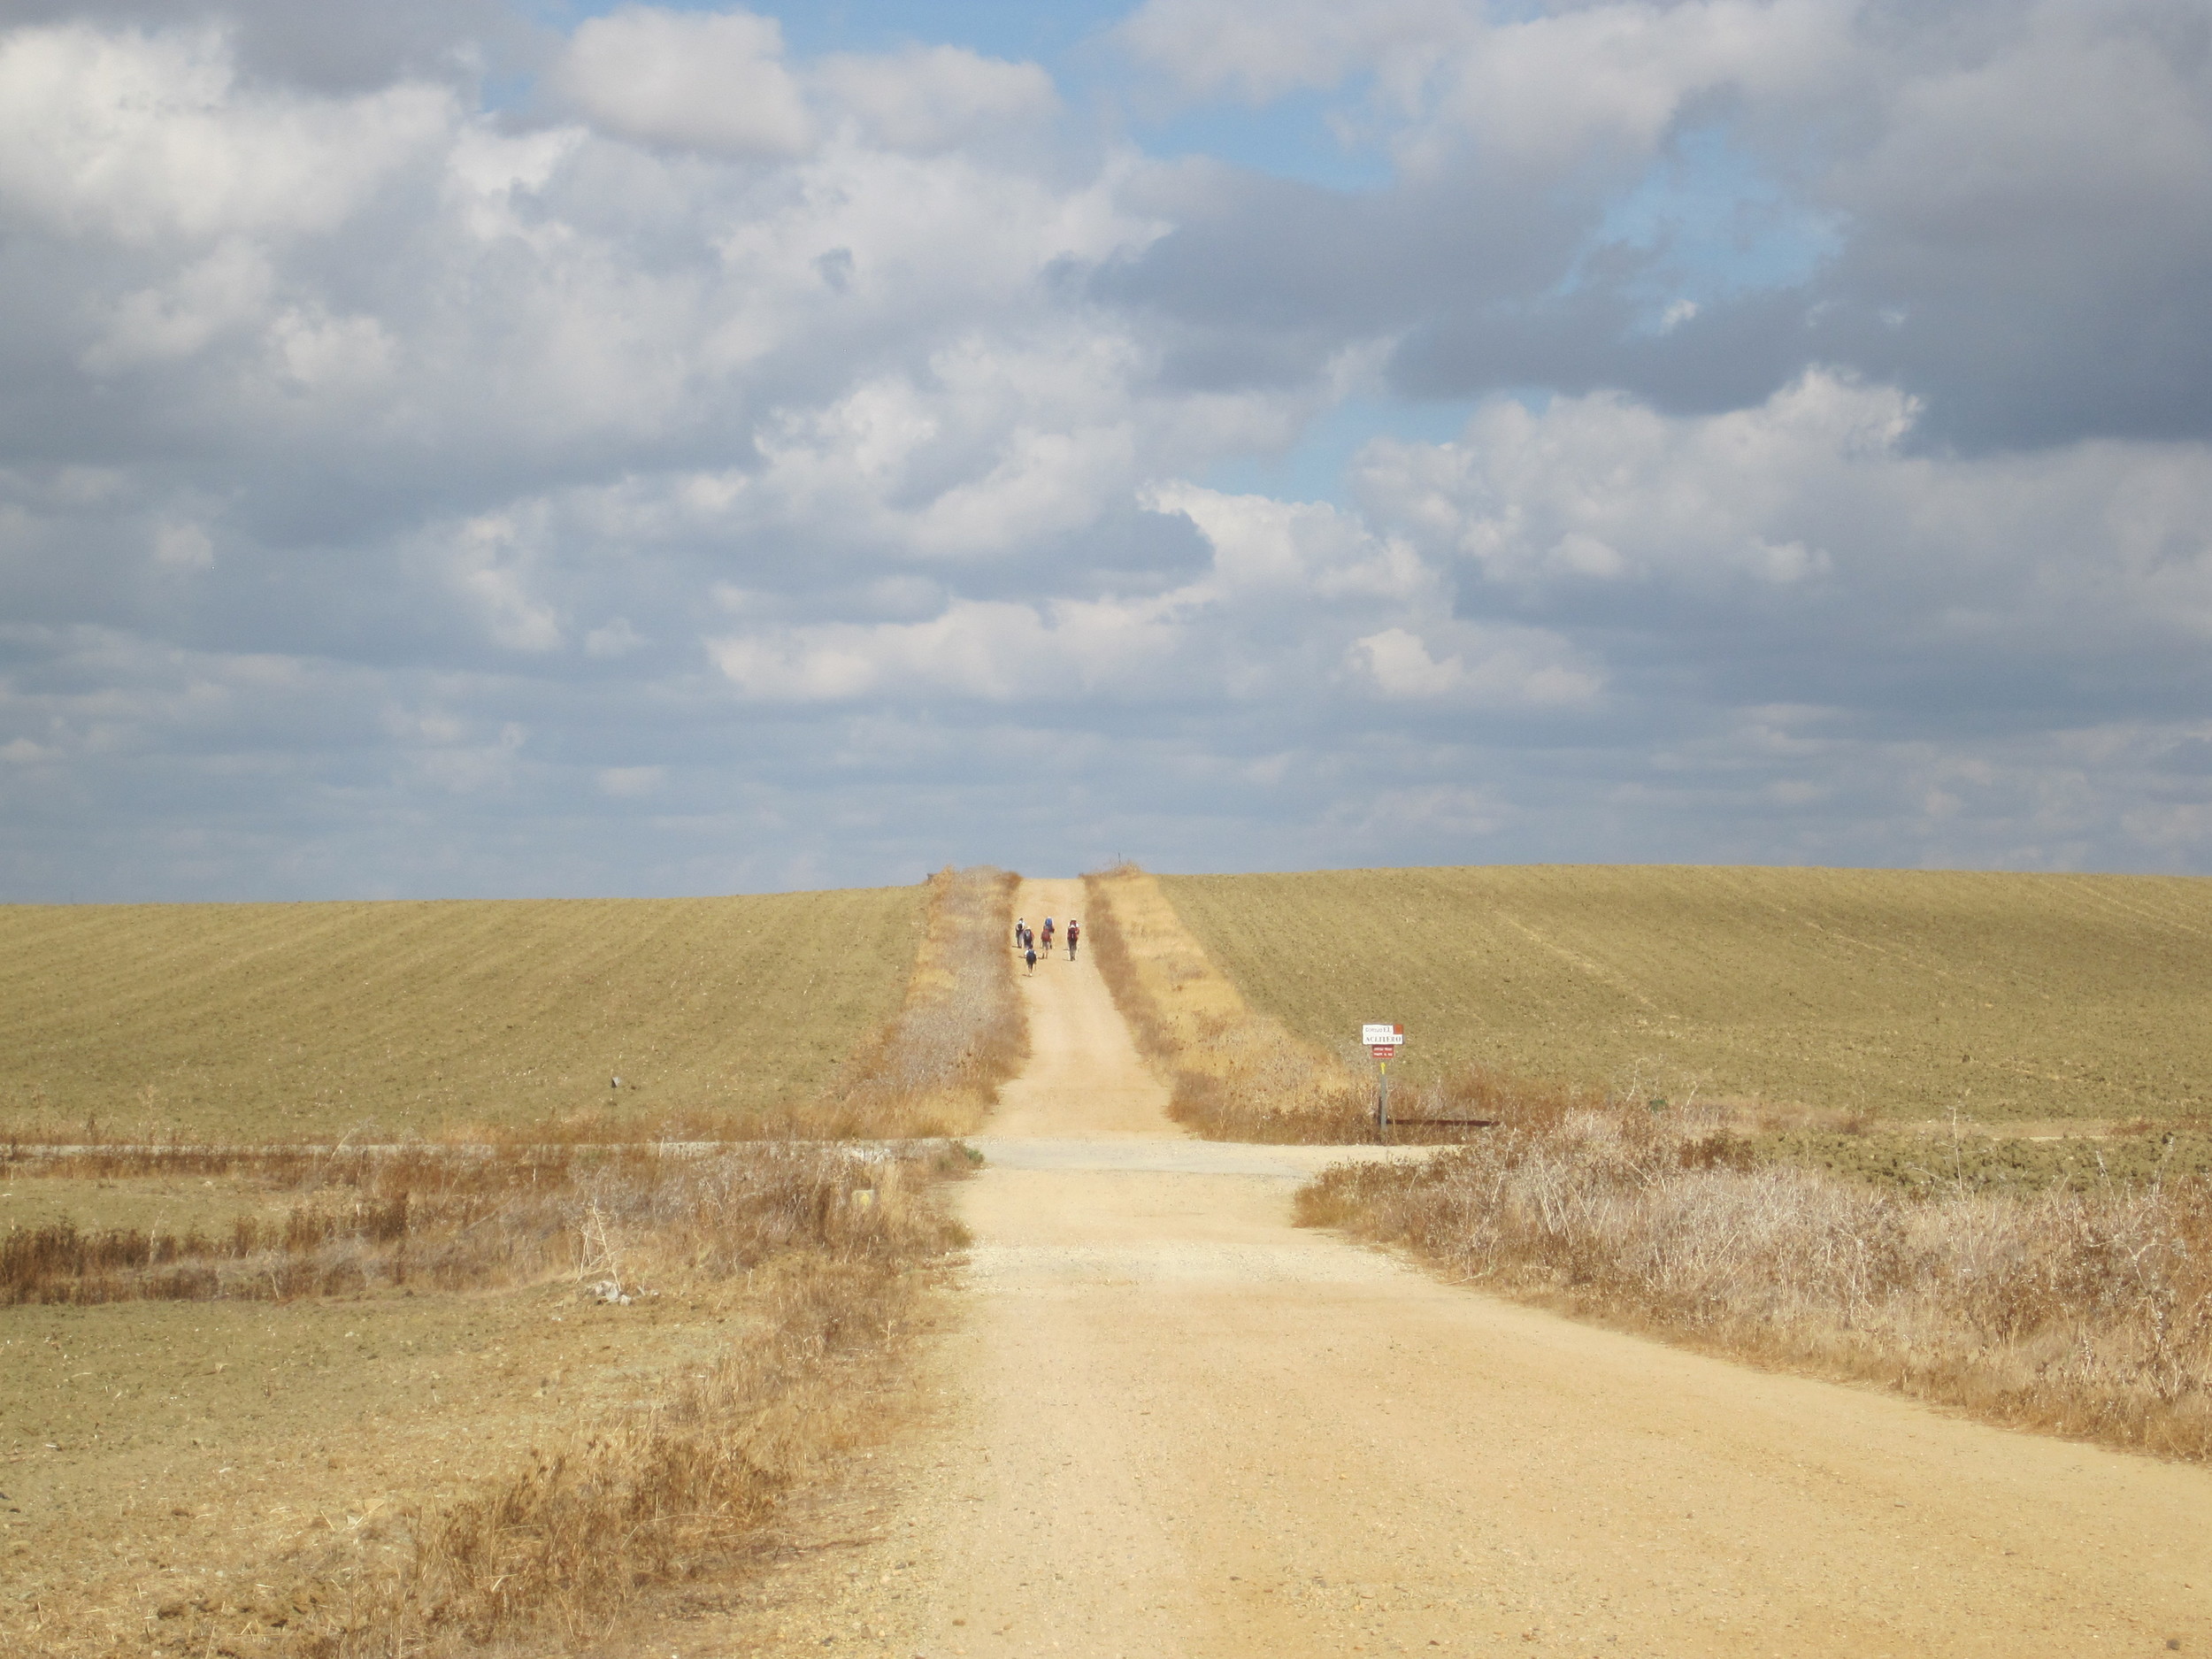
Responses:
[249,1021]
[1896,993]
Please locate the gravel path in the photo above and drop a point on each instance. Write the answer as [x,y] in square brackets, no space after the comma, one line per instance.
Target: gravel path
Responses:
[1168,1423]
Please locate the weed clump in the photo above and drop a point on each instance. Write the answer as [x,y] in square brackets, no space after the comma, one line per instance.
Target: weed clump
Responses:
[2084,1312]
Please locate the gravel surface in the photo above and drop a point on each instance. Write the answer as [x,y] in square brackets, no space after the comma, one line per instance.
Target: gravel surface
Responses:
[1165,1422]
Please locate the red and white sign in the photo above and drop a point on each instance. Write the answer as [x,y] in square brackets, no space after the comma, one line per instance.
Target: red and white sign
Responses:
[1383,1050]
[1382,1041]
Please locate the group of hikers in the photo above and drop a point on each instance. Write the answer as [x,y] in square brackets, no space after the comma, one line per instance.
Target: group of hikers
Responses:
[1026,940]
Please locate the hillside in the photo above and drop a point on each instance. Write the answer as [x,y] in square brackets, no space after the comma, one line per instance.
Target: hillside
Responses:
[1897,992]
[246,1021]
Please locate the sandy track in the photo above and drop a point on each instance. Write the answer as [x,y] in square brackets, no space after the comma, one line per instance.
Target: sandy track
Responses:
[1170,1423]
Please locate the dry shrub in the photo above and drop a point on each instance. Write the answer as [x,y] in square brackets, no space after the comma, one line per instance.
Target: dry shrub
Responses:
[1233,1074]
[2081,1313]
[818,1247]
[671,1490]
[936,1068]
[446,1220]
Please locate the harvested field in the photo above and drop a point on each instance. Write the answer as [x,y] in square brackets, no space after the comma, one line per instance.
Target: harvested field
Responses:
[306,1022]
[305,1400]
[1893,994]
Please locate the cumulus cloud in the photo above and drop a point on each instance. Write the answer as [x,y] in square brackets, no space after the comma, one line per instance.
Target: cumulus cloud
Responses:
[930,97]
[719,466]
[711,80]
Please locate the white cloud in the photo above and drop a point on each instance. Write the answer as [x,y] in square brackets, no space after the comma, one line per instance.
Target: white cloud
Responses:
[712,81]
[184,547]
[1496,667]
[144,137]
[927,98]
[230,289]
[992,651]
[628,783]
[828,431]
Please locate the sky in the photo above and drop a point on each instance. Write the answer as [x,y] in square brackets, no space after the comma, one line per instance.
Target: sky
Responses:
[508,448]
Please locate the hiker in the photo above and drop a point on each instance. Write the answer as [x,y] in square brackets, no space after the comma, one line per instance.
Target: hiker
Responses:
[1048,935]
[1032,959]
[1075,931]
[1021,933]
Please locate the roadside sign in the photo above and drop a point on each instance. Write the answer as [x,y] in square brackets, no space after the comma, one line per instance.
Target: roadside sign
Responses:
[1382,1050]
[1382,1036]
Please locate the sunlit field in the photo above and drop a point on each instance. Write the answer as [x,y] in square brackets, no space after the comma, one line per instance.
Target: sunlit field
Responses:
[1889,992]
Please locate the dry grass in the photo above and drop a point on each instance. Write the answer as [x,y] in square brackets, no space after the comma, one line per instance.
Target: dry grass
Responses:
[316,1022]
[936,1066]
[1894,994]
[2083,1313]
[667,1491]
[821,1252]
[815,1251]
[1234,1075]
[1936,1163]
[436,1220]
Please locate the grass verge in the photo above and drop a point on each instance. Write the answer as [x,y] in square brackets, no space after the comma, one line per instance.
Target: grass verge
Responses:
[2085,1313]
[1233,1074]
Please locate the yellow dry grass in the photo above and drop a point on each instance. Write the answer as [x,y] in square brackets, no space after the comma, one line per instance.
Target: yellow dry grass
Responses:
[1233,1074]
[424,1429]
[262,1021]
[1891,993]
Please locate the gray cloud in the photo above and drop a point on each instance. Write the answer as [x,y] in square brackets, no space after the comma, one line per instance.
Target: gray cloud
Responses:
[403,495]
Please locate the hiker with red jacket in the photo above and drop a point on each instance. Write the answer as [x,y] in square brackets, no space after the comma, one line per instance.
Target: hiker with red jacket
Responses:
[1075,931]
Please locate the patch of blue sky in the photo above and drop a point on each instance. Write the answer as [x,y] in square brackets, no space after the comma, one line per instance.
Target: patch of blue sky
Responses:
[998,29]
[1291,137]
[1317,466]
[1710,223]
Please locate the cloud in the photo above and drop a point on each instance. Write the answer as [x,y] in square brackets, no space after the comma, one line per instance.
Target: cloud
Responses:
[1939,199]
[713,82]
[1499,667]
[149,137]
[712,466]
[930,98]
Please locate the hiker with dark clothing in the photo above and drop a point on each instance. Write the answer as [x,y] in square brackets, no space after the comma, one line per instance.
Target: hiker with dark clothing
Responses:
[1032,959]
[1075,931]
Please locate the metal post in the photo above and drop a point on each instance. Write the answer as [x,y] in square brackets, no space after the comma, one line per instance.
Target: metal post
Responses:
[1382,1098]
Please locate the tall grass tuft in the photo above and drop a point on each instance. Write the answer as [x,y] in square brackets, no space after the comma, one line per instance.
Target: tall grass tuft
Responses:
[2085,1313]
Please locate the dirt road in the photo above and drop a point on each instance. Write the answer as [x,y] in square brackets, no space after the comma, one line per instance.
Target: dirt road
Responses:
[1170,1423]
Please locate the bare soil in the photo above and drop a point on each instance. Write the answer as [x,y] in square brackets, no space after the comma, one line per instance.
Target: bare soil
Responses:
[1171,1423]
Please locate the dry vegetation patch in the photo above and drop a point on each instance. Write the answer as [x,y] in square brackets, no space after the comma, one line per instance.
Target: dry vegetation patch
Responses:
[429,1398]
[651,1348]
[1895,993]
[1233,1074]
[2083,1312]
